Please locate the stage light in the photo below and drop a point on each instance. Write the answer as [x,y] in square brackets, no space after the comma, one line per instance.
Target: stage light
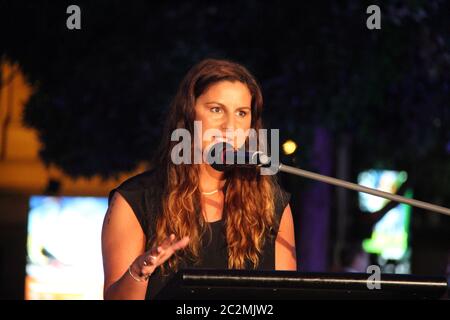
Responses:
[289,147]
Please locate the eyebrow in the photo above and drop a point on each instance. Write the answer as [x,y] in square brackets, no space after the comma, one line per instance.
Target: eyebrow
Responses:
[211,102]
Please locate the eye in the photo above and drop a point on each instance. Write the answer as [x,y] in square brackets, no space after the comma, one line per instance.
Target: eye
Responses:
[241,113]
[215,109]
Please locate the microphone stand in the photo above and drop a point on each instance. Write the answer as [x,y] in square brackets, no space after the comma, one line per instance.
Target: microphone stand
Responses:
[262,160]
[357,187]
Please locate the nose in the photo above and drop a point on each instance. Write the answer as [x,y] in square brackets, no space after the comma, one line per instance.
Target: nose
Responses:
[228,123]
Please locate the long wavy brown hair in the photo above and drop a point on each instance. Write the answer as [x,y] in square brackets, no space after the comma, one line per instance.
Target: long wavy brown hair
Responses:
[248,208]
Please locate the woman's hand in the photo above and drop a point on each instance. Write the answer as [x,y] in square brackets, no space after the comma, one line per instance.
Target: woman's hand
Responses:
[145,264]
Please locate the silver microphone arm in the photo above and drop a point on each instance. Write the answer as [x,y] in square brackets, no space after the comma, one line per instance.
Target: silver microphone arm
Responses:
[357,187]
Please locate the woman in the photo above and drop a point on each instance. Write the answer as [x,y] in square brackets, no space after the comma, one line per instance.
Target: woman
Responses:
[190,215]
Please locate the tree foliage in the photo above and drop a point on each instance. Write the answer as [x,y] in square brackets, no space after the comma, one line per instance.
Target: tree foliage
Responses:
[101,92]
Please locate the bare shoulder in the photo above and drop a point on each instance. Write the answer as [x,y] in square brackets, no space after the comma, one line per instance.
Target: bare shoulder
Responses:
[120,217]
[122,238]
[122,235]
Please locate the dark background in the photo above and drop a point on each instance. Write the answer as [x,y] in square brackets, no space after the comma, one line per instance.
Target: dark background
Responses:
[351,98]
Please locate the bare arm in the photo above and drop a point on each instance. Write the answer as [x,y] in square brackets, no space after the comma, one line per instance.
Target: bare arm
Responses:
[122,242]
[123,246]
[285,254]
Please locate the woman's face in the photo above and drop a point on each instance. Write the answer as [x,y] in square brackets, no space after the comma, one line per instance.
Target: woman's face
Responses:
[224,105]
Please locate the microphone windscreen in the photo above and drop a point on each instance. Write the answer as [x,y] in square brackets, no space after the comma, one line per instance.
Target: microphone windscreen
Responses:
[216,155]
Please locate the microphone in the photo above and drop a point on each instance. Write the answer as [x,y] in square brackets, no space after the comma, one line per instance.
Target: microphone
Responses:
[222,156]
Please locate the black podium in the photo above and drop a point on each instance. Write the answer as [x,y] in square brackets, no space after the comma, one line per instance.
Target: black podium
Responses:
[200,284]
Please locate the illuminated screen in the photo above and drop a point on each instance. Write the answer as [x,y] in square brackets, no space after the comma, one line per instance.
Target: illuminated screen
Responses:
[64,259]
[390,235]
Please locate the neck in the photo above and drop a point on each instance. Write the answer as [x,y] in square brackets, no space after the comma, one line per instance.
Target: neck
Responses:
[210,179]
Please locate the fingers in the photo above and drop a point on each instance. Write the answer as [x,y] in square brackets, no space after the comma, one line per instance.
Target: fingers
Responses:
[152,255]
[180,244]
[158,255]
[149,262]
[175,246]
[168,241]
[164,254]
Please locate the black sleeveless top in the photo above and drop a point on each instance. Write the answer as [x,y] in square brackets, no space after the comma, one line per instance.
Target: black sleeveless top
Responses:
[141,193]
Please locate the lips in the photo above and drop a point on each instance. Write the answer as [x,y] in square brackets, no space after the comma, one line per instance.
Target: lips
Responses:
[222,139]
